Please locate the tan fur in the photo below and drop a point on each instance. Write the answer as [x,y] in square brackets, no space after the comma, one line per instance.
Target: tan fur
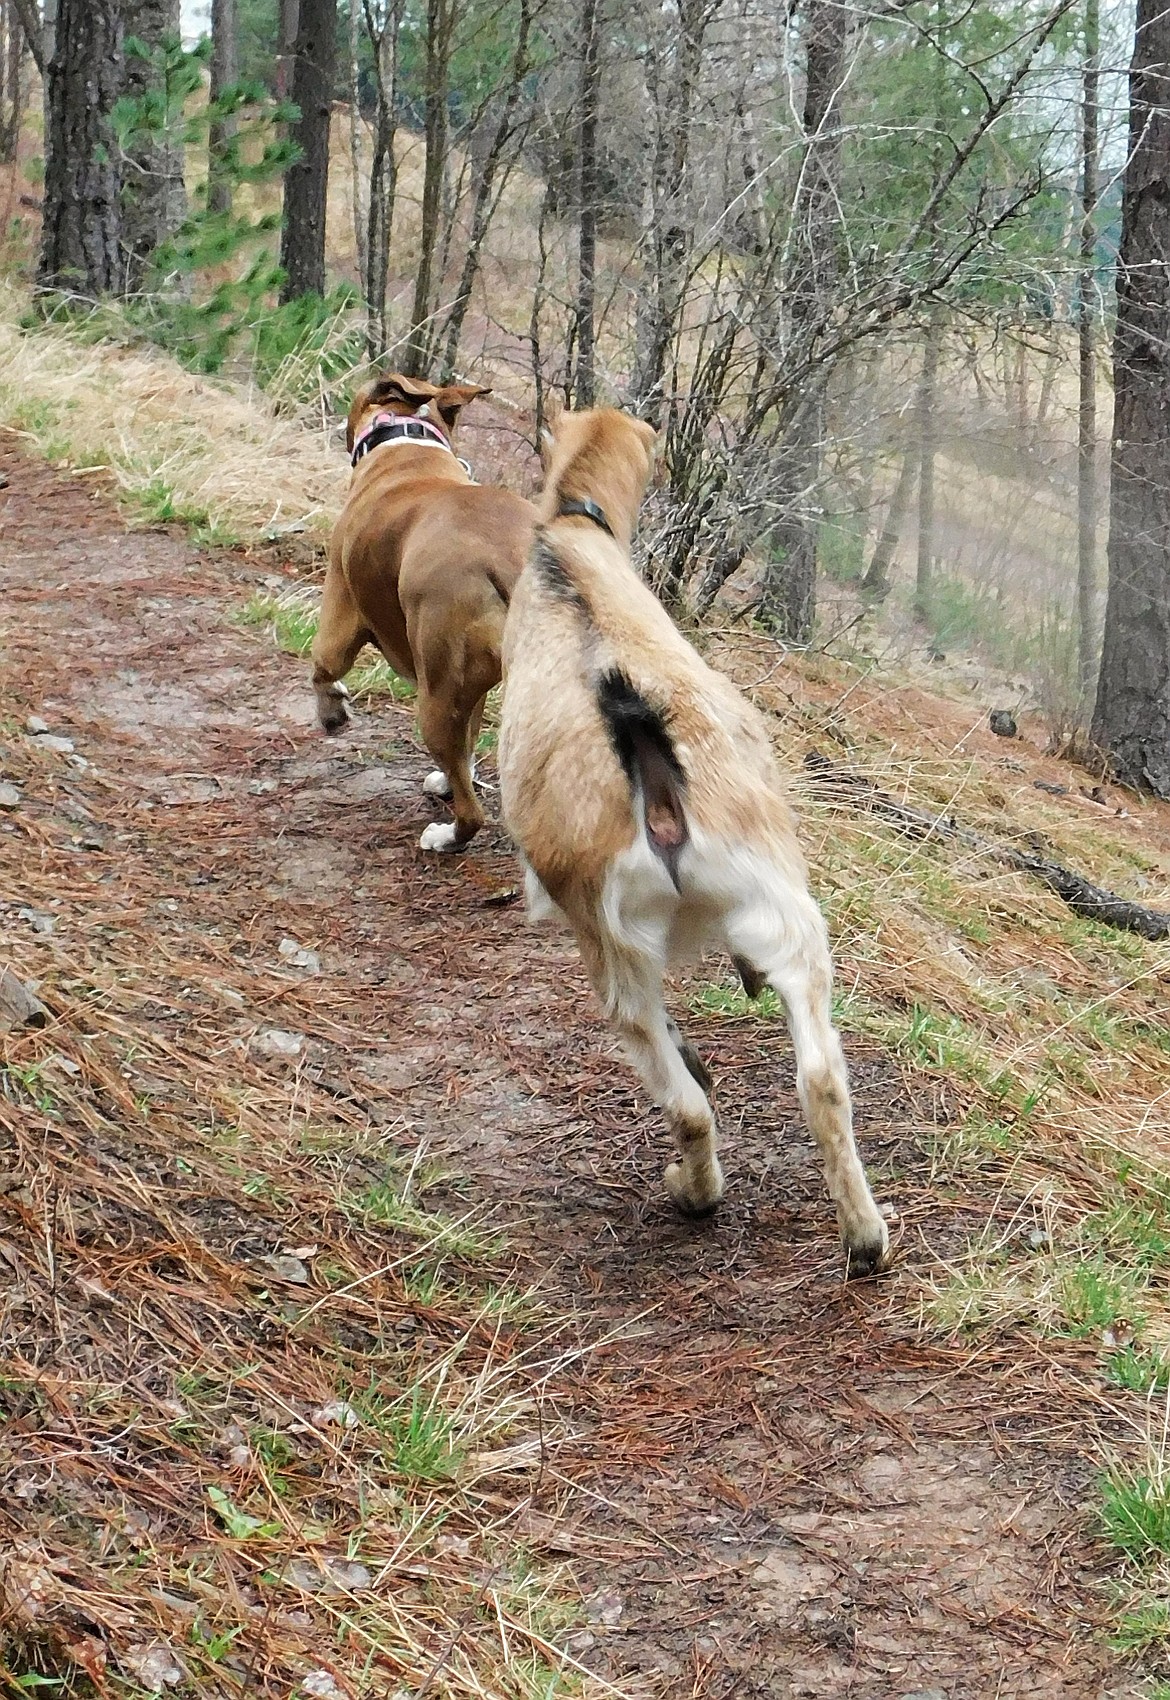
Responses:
[578,614]
[422,564]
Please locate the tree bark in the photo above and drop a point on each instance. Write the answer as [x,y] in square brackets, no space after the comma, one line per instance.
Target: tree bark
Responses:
[1131,721]
[440,27]
[288,17]
[12,105]
[225,70]
[483,204]
[926,412]
[34,31]
[589,98]
[1087,362]
[80,241]
[306,182]
[383,173]
[672,79]
[790,586]
[876,583]
[154,199]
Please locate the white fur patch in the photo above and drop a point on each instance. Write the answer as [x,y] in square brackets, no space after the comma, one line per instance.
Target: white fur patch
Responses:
[436,783]
[440,835]
[537,901]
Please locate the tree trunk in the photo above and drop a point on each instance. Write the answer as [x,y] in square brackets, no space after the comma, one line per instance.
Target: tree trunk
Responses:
[383,174]
[875,586]
[790,586]
[672,79]
[587,194]
[33,31]
[225,70]
[927,424]
[440,26]
[361,220]
[12,104]
[1131,722]
[483,204]
[1087,400]
[288,18]
[154,199]
[306,182]
[80,240]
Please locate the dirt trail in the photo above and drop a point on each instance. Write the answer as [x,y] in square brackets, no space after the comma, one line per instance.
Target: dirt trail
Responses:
[791,1494]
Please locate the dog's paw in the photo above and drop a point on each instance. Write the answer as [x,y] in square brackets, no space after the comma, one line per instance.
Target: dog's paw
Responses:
[333,708]
[436,784]
[440,835]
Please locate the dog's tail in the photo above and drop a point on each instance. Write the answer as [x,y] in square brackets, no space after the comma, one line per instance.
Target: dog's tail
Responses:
[642,742]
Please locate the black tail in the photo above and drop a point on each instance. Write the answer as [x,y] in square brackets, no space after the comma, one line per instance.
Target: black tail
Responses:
[643,744]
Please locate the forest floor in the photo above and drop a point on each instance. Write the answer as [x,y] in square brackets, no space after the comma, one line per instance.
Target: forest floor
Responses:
[318,1121]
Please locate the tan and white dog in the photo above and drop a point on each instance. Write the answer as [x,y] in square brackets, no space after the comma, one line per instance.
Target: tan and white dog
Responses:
[422,564]
[642,791]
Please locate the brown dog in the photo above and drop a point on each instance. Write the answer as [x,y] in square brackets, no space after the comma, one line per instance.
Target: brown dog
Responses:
[422,564]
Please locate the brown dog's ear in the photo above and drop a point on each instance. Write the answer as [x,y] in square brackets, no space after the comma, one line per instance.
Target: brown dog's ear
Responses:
[395,387]
[453,398]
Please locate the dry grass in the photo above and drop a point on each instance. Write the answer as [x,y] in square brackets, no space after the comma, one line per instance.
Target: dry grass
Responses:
[274,1420]
[177,446]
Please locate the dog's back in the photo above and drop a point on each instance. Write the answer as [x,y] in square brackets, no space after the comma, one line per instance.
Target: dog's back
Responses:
[627,730]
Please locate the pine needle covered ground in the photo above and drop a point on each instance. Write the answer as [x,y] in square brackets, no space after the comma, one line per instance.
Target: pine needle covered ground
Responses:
[333,1329]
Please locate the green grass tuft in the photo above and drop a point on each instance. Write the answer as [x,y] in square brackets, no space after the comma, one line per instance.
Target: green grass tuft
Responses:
[1135,1513]
[292,618]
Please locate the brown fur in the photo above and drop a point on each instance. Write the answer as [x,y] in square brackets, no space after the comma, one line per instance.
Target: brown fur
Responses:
[422,564]
[642,789]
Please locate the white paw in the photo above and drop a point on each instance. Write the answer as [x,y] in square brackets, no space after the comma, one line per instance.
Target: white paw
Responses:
[340,690]
[436,784]
[440,835]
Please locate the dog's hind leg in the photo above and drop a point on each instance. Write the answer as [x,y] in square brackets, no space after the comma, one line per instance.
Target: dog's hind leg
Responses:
[630,989]
[341,634]
[780,935]
[436,783]
[447,733]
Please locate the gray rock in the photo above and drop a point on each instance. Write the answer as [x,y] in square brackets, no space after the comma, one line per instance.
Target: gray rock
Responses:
[10,797]
[36,725]
[275,1042]
[18,1006]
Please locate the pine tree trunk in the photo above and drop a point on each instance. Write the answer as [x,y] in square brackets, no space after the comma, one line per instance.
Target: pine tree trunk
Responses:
[154,200]
[80,240]
[440,24]
[306,183]
[672,88]
[1087,400]
[927,423]
[12,104]
[876,583]
[383,176]
[483,204]
[288,17]
[790,586]
[225,71]
[587,194]
[1131,721]
[361,219]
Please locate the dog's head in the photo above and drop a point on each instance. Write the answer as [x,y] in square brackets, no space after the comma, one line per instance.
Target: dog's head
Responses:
[603,455]
[440,403]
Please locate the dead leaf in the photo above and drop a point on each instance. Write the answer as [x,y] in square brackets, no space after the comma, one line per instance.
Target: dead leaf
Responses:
[153,1666]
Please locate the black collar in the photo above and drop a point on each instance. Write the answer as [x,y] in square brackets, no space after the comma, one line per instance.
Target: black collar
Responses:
[395,430]
[571,508]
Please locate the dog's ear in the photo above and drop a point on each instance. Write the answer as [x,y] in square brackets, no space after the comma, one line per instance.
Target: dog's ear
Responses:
[395,387]
[453,398]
